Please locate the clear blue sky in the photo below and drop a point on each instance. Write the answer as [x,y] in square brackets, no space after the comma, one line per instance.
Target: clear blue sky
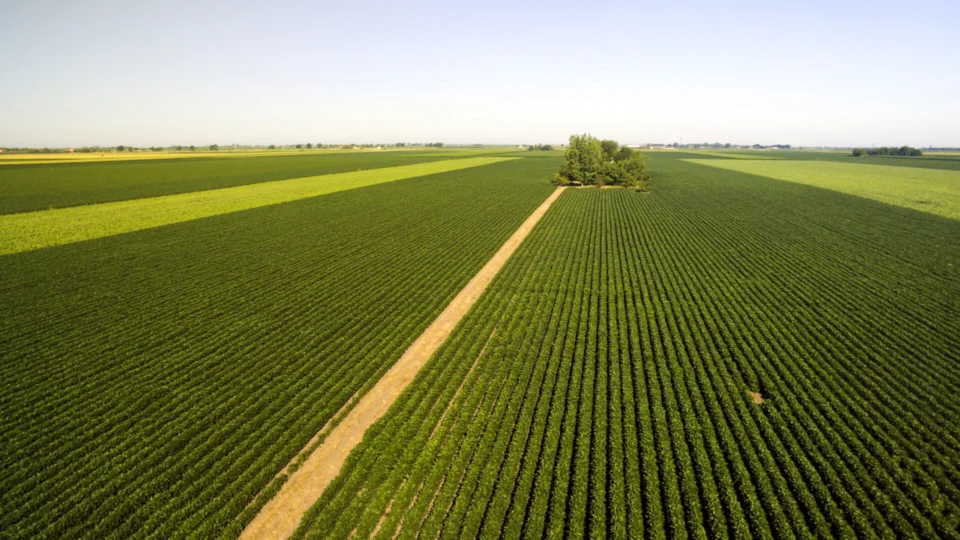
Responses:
[170,72]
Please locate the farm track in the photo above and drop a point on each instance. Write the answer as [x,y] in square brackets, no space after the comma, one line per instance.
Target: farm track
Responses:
[161,379]
[280,517]
[615,397]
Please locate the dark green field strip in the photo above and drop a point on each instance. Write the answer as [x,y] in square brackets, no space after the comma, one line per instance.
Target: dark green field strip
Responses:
[154,382]
[627,331]
[24,188]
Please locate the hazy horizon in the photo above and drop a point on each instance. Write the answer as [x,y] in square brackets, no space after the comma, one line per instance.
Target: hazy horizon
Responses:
[817,74]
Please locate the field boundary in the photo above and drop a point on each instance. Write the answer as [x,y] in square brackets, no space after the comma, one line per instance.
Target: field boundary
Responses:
[281,516]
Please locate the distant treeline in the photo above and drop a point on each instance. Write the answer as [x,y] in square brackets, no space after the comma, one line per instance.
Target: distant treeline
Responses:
[543,147]
[720,145]
[888,151]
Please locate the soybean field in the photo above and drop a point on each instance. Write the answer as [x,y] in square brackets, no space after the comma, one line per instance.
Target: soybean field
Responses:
[726,356]
[41,185]
[765,347]
[155,382]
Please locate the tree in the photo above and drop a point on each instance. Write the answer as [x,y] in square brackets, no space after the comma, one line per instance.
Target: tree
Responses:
[309,145]
[214,147]
[609,148]
[889,151]
[121,148]
[271,147]
[584,161]
[587,164]
[400,144]
[542,147]
[634,172]
[623,154]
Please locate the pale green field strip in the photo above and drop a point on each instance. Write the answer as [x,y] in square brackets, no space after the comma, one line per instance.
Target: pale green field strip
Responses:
[731,155]
[936,191]
[35,230]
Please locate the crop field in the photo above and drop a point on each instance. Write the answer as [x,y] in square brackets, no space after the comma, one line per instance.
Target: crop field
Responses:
[26,188]
[111,156]
[927,161]
[735,155]
[34,230]
[154,382]
[756,348]
[728,355]
[927,190]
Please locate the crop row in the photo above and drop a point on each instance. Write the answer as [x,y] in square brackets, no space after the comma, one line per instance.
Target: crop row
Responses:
[620,346]
[155,382]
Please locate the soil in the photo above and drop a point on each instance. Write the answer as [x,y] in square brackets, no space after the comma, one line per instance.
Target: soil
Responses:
[280,517]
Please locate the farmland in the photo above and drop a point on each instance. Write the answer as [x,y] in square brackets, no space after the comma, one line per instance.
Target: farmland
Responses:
[718,358]
[34,230]
[755,348]
[929,161]
[926,190]
[40,186]
[154,382]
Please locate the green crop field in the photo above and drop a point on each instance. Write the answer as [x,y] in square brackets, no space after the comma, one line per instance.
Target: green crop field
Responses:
[927,161]
[34,230]
[25,188]
[735,155]
[603,385]
[927,190]
[756,348]
[154,382]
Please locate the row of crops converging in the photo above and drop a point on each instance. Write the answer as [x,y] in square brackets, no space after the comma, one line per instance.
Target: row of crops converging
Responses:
[153,383]
[604,383]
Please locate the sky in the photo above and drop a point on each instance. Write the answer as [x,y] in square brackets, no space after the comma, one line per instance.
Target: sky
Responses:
[162,73]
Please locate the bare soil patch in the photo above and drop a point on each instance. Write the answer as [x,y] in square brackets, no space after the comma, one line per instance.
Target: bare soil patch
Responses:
[757,398]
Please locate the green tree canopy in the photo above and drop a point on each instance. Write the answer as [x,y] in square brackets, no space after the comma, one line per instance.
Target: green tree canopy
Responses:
[584,161]
[590,161]
[609,148]
[888,151]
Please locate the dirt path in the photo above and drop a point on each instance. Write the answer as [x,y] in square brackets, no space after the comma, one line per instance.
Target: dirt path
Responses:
[280,517]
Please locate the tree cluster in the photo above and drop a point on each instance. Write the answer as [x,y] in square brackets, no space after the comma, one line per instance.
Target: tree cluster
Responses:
[888,151]
[542,147]
[592,162]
